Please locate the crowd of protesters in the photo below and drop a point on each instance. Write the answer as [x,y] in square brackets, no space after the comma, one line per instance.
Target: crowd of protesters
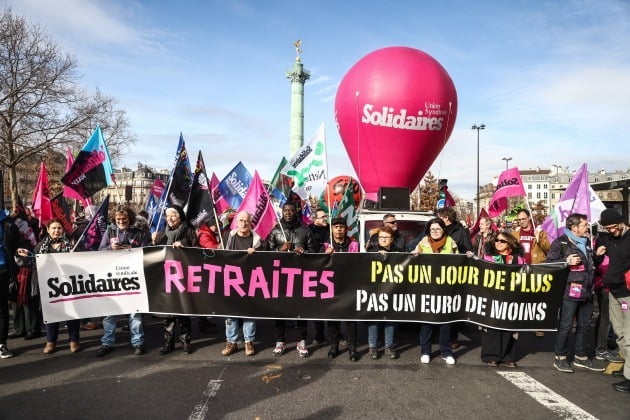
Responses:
[599,270]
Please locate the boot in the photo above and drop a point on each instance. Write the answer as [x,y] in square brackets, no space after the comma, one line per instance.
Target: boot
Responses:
[334,350]
[353,355]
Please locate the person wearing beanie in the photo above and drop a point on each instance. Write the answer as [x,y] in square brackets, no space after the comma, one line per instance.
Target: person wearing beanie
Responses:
[616,244]
[177,233]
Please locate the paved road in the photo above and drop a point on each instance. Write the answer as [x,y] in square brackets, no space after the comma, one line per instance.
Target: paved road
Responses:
[206,385]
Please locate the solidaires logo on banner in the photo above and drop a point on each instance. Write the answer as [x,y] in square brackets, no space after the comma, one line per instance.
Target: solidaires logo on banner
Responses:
[90,284]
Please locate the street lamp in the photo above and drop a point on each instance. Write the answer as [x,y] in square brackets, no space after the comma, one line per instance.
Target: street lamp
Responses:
[506,162]
[478,128]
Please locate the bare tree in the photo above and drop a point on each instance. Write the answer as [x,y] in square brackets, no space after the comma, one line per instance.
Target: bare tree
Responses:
[42,106]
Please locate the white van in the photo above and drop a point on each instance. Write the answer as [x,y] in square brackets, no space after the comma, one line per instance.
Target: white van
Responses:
[410,223]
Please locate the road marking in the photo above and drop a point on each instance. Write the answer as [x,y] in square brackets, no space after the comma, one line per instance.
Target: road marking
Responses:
[271,373]
[201,409]
[545,396]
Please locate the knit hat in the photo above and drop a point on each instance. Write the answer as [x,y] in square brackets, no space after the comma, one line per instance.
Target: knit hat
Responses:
[179,210]
[610,217]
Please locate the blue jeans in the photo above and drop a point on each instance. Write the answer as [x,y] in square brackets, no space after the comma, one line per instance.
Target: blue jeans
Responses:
[426,332]
[135,329]
[388,328]
[582,312]
[231,330]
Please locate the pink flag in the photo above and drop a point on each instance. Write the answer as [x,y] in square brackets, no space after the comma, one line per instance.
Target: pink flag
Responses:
[510,185]
[576,199]
[69,192]
[219,202]
[41,197]
[259,205]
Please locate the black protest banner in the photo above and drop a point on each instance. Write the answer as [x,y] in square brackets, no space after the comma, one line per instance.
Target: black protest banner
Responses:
[354,286]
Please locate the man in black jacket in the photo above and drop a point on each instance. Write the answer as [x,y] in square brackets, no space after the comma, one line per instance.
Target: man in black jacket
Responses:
[577,301]
[617,280]
[290,235]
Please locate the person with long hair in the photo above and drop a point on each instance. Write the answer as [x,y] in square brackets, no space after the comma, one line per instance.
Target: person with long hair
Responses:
[179,234]
[436,241]
[55,241]
[499,346]
[386,243]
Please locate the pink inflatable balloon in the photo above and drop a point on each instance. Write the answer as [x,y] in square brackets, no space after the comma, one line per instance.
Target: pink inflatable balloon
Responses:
[395,110]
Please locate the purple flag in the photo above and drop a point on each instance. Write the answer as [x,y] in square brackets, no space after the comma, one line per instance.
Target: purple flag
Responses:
[91,237]
[576,199]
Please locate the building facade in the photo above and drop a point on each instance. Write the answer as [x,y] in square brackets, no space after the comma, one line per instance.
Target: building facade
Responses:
[133,186]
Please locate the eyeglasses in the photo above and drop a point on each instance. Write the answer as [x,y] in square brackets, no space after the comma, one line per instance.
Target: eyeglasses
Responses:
[436,230]
[392,223]
[520,220]
[501,241]
[384,237]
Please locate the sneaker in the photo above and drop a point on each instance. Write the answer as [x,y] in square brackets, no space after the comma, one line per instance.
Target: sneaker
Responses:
[138,350]
[390,354]
[425,358]
[187,348]
[563,365]
[610,356]
[279,349]
[540,334]
[249,348]
[5,353]
[590,364]
[229,349]
[373,353]
[450,360]
[301,349]
[103,350]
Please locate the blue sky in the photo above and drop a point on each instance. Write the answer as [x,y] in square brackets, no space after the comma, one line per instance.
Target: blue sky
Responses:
[549,79]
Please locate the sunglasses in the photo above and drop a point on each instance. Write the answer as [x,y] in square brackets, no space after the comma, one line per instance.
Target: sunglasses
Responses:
[503,241]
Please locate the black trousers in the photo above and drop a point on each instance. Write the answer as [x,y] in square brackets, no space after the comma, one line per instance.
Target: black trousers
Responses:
[334,333]
[184,324]
[281,330]
[498,346]
[4,305]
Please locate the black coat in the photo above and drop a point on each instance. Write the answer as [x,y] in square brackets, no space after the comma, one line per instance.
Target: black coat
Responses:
[581,276]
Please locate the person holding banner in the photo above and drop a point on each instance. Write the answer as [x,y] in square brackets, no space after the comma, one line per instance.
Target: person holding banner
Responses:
[290,235]
[341,243]
[245,239]
[436,241]
[122,235]
[480,240]
[177,233]
[386,243]
[499,346]
[55,241]
[577,301]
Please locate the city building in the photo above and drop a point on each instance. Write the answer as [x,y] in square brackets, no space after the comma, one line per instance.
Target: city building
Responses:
[132,186]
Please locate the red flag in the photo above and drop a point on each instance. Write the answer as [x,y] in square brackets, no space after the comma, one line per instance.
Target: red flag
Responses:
[61,211]
[475,229]
[219,202]
[41,197]
[157,189]
[510,185]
